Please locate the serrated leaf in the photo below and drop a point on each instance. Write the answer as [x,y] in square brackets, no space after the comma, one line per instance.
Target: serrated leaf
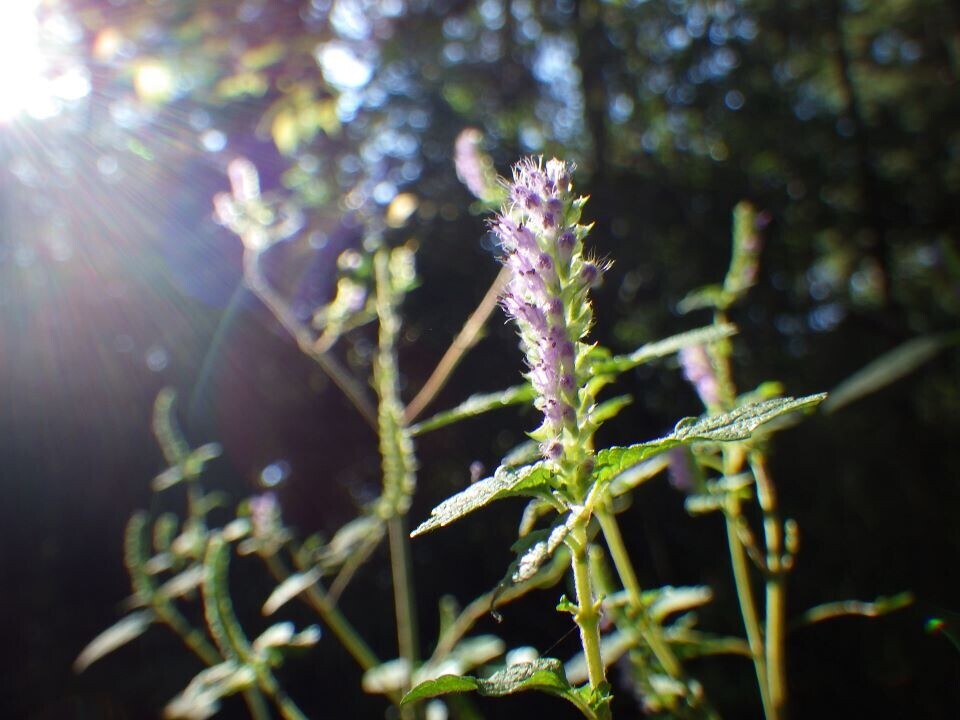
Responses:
[534,558]
[886,369]
[663,348]
[613,461]
[545,675]
[740,423]
[117,635]
[443,685]
[289,589]
[529,481]
[475,405]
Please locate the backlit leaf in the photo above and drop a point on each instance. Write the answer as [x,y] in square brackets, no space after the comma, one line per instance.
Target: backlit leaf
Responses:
[120,633]
[545,675]
[475,405]
[289,589]
[529,481]
[886,369]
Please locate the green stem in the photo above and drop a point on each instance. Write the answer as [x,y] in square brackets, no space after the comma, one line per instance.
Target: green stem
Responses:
[403,590]
[467,337]
[748,608]
[486,603]
[260,286]
[587,616]
[621,561]
[775,587]
[399,464]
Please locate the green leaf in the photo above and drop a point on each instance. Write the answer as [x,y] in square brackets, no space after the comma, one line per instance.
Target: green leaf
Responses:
[529,481]
[608,410]
[668,600]
[201,697]
[709,296]
[475,405]
[887,369]
[171,441]
[663,348]
[540,552]
[289,589]
[613,461]
[880,606]
[117,635]
[740,423]
[639,474]
[545,675]
[443,685]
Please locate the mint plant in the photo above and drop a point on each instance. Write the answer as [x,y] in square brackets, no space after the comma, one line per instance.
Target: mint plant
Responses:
[575,490]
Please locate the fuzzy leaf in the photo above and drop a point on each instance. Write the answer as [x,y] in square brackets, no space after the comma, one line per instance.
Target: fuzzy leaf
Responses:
[475,405]
[120,633]
[886,369]
[546,675]
[739,424]
[527,481]
[665,347]
[540,552]
[443,685]
[289,589]
[613,461]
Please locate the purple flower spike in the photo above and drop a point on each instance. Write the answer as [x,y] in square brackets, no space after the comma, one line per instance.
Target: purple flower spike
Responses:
[541,245]
[698,370]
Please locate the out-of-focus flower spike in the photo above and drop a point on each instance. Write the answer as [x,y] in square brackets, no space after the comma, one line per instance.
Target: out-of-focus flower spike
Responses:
[244,180]
[475,168]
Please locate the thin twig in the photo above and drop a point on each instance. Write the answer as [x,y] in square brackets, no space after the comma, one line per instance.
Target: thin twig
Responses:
[260,286]
[468,336]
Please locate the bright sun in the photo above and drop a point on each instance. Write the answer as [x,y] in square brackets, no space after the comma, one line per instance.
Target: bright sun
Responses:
[22,82]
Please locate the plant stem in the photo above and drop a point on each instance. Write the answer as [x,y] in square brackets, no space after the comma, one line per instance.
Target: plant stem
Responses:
[776,586]
[403,590]
[748,608]
[260,286]
[467,337]
[486,603]
[621,561]
[399,464]
[587,616]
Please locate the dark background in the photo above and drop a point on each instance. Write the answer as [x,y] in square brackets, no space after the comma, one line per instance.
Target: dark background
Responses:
[838,119]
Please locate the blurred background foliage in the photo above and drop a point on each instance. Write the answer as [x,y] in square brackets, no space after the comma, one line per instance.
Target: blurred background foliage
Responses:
[838,119]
